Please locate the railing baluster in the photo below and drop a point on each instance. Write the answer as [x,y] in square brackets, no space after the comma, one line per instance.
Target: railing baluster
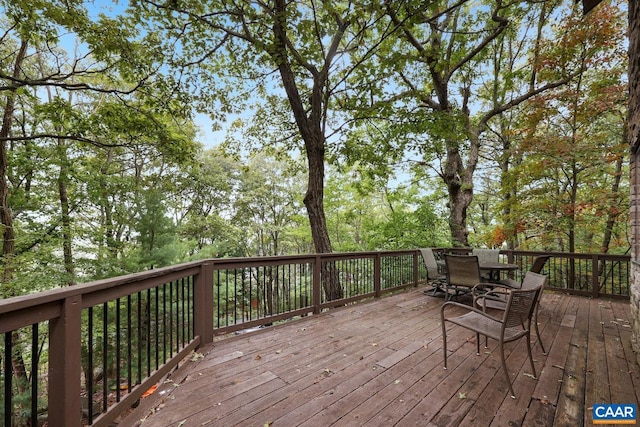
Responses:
[138,342]
[105,367]
[171,326]
[118,361]
[8,379]
[157,326]
[129,345]
[35,356]
[148,330]
[89,381]
[164,321]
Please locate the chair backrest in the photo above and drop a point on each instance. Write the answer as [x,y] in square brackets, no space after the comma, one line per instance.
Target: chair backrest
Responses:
[487,255]
[521,303]
[532,280]
[539,262]
[430,262]
[462,270]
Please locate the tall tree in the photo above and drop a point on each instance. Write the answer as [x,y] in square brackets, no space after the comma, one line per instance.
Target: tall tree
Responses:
[575,138]
[62,109]
[434,86]
[267,203]
[306,44]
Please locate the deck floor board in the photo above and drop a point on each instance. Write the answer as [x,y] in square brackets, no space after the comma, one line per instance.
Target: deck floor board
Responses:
[380,363]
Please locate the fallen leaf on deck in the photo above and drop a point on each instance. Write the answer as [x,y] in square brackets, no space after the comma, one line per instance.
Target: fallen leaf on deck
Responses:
[150,391]
[196,356]
[529,375]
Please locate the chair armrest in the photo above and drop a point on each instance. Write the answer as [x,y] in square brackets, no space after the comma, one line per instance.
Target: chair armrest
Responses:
[467,308]
[498,287]
[498,293]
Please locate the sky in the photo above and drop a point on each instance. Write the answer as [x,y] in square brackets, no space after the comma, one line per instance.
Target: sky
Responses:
[208,137]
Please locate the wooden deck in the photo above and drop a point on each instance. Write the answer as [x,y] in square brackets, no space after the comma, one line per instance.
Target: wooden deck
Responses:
[380,364]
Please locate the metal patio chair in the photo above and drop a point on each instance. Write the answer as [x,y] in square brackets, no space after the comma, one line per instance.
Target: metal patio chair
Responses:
[463,273]
[515,322]
[486,256]
[497,298]
[434,277]
[536,267]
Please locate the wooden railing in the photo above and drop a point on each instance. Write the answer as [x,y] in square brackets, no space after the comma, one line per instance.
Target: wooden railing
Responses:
[593,275]
[84,354]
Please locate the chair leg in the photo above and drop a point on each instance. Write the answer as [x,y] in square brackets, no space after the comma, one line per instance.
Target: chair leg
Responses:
[533,368]
[506,372]
[438,287]
[538,332]
[444,341]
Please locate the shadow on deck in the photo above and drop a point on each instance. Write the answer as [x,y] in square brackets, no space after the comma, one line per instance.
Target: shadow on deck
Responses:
[380,364]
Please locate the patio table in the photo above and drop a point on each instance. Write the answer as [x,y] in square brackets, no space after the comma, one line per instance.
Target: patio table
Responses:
[495,268]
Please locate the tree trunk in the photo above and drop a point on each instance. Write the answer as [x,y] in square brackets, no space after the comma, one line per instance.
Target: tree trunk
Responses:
[67,236]
[6,218]
[459,182]
[310,127]
[459,201]
[63,179]
[614,209]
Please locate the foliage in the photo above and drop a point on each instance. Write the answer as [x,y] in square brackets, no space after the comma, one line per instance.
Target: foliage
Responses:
[484,123]
[570,176]
[113,125]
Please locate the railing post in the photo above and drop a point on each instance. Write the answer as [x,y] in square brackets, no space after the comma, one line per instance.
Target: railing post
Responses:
[510,256]
[415,269]
[203,304]
[377,274]
[595,276]
[64,364]
[316,284]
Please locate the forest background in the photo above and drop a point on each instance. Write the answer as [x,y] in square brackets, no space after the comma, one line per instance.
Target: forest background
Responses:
[342,126]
